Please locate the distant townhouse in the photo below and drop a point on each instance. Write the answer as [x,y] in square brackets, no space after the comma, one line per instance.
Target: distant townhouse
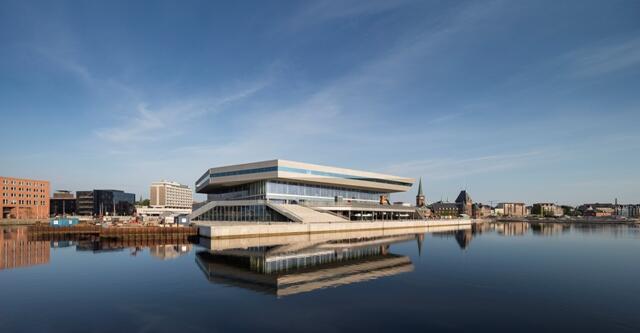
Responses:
[445,209]
[597,209]
[547,209]
[630,211]
[512,209]
[481,211]
[462,206]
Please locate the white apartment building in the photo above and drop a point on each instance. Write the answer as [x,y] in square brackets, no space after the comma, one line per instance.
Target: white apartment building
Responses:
[166,194]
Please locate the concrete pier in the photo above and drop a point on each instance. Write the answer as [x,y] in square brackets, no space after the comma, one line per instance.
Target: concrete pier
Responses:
[232,230]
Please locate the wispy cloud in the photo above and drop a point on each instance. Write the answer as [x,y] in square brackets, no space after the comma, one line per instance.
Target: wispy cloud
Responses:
[451,168]
[154,124]
[346,109]
[328,10]
[605,58]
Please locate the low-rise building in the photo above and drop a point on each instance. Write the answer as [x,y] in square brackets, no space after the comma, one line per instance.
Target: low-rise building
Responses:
[597,209]
[632,211]
[481,211]
[23,198]
[62,203]
[512,209]
[629,211]
[599,212]
[445,209]
[547,209]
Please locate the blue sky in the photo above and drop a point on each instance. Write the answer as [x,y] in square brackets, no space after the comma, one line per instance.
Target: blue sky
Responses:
[513,100]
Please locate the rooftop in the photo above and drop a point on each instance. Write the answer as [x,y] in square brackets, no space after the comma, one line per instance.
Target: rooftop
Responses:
[300,172]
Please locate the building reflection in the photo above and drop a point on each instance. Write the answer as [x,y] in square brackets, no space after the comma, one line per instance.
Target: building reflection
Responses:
[463,237]
[300,267]
[512,228]
[17,250]
[164,249]
[549,229]
[168,252]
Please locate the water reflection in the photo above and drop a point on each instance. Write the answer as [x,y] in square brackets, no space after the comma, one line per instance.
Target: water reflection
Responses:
[304,266]
[549,229]
[462,237]
[17,250]
[511,228]
[169,251]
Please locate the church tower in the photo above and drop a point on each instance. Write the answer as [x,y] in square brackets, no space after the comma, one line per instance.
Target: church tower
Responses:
[420,199]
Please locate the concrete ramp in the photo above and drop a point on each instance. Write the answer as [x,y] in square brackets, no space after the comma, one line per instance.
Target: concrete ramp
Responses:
[304,214]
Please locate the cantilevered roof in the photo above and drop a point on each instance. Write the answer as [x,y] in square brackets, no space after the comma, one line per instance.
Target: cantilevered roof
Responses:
[231,175]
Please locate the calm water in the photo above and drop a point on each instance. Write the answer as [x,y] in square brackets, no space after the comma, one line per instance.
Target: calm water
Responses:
[497,277]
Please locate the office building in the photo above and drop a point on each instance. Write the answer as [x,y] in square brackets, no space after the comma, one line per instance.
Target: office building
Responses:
[62,203]
[279,190]
[105,203]
[84,203]
[24,198]
[164,194]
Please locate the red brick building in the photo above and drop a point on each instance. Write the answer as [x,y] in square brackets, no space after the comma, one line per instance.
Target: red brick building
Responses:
[24,198]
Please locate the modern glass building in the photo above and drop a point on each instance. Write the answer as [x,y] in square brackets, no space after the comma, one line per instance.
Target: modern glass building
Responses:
[280,190]
[105,202]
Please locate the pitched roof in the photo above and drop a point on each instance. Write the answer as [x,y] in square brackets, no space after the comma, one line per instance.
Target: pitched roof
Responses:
[463,197]
[420,194]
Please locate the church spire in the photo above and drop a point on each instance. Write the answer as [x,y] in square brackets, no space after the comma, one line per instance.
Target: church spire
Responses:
[420,199]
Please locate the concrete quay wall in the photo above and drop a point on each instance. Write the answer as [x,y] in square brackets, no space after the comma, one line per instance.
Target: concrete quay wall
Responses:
[230,230]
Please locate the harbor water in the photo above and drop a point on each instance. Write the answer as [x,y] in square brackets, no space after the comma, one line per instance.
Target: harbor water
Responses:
[492,277]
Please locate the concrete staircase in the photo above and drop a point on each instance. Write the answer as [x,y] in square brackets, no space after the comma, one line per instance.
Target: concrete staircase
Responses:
[304,214]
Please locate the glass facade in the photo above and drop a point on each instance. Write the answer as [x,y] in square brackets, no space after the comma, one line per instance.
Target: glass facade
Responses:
[313,192]
[292,191]
[110,202]
[255,190]
[265,265]
[240,213]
